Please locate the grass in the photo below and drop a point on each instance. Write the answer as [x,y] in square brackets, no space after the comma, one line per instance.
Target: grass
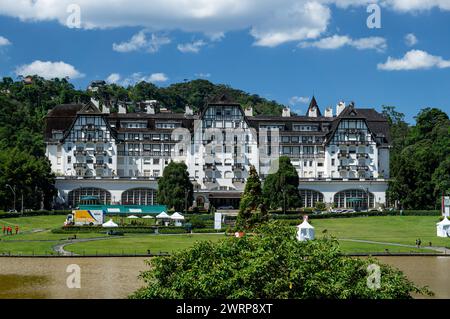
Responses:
[389,229]
[35,236]
[139,244]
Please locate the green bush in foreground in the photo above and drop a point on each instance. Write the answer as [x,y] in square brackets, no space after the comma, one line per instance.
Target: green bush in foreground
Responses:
[270,264]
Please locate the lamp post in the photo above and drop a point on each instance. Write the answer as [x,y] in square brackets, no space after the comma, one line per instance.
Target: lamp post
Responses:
[14,192]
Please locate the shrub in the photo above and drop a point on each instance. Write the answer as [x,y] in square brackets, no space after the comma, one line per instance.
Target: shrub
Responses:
[246,268]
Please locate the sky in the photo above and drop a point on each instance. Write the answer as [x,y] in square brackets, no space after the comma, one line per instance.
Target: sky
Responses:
[374,53]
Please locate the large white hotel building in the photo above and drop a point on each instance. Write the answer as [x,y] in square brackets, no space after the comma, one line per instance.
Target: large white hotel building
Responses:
[342,156]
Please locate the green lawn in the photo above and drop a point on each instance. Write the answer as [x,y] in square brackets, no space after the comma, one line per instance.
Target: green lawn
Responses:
[36,236]
[391,229]
[139,244]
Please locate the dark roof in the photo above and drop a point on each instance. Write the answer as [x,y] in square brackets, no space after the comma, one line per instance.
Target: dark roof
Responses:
[313,104]
[223,99]
[61,118]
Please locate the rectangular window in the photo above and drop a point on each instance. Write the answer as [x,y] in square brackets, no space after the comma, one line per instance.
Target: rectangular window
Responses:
[69,159]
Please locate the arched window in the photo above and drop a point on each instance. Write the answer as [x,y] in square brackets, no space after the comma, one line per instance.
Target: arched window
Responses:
[310,197]
[102,195]
[139,196]
[353,198]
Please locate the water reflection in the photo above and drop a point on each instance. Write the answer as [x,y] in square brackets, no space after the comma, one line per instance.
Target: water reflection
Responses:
[117,277]
[46,277]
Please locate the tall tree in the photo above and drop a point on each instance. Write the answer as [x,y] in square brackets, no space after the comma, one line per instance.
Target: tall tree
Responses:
[251,208]
[281,188]
[174,187]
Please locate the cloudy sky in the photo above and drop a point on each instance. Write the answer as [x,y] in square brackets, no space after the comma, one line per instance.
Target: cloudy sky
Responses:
[285,50]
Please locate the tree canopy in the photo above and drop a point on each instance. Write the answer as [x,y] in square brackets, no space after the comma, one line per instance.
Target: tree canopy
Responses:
[420,162]
[270,264]
[175,187]
[280,189]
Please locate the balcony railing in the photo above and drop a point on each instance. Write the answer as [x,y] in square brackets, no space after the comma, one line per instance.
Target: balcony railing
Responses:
[100,152]
[209,180]
[100,165]
[344,167]
[238,166]
[238,180]
[209,166]
[362,168]
[79,165]
[362,155]
[343,154]
[80,153]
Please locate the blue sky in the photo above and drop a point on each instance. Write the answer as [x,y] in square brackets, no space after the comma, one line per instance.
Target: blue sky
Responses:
[333,55]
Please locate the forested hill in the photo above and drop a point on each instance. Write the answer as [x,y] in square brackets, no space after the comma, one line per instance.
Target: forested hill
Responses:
[40,95]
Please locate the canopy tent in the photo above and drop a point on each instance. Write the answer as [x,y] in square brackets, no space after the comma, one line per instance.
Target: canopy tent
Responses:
[177,216]
[110,223]
[148,216]
[443,228]
[163,215]
[132,216]
[305,231]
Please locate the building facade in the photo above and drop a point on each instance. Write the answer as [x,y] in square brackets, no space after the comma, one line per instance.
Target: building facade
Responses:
[342,159]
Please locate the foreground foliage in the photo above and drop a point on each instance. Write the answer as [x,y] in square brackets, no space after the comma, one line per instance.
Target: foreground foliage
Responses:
[270,264]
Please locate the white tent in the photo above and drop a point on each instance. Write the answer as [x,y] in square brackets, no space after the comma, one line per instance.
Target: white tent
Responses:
[305,231]
[177,216]
[132,216]
[148,217]
[443,228]
[110,223]
[163,215]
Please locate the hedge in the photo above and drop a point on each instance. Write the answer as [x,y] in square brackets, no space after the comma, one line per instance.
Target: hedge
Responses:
[134,230]
[35,213]
[359,214]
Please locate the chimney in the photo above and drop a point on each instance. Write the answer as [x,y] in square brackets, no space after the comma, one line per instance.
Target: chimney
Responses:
[150,106]
[188,111]
[286,112]
[329,112]
[312,112]
[122,108]
[340,107]
[248,111]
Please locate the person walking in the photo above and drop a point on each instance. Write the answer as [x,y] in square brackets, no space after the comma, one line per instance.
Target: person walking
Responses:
[419,243]
[17,229]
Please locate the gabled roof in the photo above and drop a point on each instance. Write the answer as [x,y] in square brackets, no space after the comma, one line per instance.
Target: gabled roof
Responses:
[223,99]
[313,104]
[89,108]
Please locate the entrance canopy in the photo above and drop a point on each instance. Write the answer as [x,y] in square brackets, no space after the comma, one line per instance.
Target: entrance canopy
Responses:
[305,231]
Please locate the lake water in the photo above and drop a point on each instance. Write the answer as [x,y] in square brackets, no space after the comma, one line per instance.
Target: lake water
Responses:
[117,277]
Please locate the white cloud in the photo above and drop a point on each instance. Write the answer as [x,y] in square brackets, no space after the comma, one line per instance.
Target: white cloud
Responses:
[113,78]
[270,22]
[295,22]
[338,41]
[139,41]
[49,70]
[4,41]
[416,5]
[414,60]
[411,39]
[193,47]
[299,100]
[138,77]
[202,75]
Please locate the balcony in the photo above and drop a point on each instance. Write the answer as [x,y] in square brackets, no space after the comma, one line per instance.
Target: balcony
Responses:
[362,155]
[209,180]
[343,167]
[210,166]
[238,166]
[343,155]
[79,165]
[100,165]
[80,153]
[362,168]
[88,127]
[238,180]
[100,152]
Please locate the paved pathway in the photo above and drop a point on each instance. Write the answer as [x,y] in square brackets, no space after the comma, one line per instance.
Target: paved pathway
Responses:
[59,248]
[442,250]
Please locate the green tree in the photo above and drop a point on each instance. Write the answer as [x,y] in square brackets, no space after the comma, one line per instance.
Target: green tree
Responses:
[280,189]
[251,208]
[271,264]
[175,187]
